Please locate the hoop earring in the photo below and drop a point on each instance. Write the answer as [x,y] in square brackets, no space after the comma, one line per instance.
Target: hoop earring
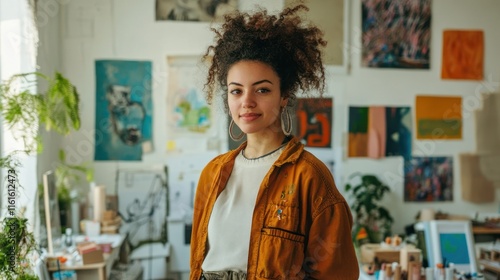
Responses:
[287,131]
[235,138]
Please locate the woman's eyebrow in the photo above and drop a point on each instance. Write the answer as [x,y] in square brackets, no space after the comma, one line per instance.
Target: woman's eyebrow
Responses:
[256,83]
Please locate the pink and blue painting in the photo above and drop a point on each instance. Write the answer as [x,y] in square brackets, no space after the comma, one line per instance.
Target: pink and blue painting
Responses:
[377,132]
[124,110]
[429,179]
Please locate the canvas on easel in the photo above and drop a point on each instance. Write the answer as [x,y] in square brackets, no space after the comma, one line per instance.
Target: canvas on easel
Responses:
[51,205]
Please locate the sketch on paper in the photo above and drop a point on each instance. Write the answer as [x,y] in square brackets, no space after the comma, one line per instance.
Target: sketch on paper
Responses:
[429,179]
[396,34]
[143,205]
[439,117]
[123,109]
[194,10]
[313,121]
[463,54]
[377,132]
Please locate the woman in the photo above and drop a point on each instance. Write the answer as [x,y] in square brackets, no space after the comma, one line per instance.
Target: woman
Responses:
[269,209]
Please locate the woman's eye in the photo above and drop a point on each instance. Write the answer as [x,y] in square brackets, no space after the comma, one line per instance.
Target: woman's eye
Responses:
[263,90]
[234,91]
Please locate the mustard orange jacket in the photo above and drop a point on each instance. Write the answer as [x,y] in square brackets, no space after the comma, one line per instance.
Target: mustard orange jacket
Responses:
[301,225]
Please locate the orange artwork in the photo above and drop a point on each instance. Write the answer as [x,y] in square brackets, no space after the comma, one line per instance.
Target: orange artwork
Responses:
[463,55]
[439,117]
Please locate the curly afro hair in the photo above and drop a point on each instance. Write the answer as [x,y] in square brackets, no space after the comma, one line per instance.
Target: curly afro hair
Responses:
[284,41]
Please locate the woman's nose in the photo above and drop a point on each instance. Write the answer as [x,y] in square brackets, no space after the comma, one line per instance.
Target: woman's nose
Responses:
[248,100]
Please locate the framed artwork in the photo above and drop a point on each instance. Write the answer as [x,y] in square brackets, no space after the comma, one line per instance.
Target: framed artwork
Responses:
[332,17]
[396,34]
[194,10]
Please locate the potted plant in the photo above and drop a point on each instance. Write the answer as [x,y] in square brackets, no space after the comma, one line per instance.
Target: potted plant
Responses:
[68,177]
[16,246]
[372,221]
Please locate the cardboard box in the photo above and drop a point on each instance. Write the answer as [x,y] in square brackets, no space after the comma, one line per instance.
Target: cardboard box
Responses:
[409,254]
[370,251]
[90,253]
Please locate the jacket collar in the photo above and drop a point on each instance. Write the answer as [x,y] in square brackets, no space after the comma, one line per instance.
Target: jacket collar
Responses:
[290,154]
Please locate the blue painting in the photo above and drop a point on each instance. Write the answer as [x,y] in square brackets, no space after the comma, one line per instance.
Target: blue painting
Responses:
[123,110]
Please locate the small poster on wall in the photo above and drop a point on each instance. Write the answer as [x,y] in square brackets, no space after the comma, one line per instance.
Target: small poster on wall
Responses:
[378,132]
[396,34]
[439,117]
[194,10]
[429,179]
[124,110]
[313,122]
[190,119]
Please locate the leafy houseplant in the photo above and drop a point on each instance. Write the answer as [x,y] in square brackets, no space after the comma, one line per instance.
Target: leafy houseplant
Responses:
[370,217]
[68,176]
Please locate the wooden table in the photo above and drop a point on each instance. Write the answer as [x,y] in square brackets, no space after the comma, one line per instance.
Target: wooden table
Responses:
[100,271]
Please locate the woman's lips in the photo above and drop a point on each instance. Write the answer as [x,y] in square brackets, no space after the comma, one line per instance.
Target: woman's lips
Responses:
[249,116]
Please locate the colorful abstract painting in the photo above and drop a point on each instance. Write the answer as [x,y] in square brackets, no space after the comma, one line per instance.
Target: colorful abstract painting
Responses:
[187,109]
[396,34]
[124,110]
[429,179]
[377,132]
[313,122]
[463,54]
[439,117]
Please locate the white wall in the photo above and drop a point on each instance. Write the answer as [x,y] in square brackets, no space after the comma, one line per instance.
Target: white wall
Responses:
[126,29]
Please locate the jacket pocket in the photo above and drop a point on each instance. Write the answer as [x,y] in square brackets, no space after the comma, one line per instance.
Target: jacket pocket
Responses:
[281,254]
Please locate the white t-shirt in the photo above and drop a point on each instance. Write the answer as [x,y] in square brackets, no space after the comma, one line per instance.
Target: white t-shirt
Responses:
[231,218]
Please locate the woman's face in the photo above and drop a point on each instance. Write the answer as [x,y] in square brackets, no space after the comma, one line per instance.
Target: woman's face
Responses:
[254,97]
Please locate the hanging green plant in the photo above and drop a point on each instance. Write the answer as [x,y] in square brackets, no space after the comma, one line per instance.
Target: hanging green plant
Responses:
[24,110]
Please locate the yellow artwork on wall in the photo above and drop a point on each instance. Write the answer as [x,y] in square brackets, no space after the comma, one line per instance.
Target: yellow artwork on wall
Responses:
[439,117]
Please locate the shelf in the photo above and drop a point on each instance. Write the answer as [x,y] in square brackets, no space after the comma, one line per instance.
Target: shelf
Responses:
[485,230]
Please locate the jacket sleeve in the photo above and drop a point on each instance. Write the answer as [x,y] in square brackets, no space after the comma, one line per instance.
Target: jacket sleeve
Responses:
[197,248]
[330,251]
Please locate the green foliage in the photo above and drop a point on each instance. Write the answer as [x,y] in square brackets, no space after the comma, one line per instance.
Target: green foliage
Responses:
[24,110]
[16,246]
[368,212]
[68,176]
